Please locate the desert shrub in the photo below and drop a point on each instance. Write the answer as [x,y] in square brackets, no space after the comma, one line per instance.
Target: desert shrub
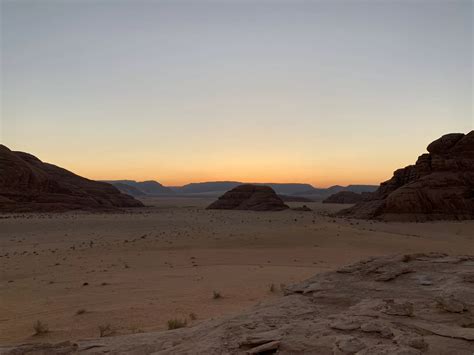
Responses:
[80,311]
[105,330]
[177,323]
[216,295]
[136,330]
[40,328]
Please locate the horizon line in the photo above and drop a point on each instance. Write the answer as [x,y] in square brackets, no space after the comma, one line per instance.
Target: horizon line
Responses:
[241,182]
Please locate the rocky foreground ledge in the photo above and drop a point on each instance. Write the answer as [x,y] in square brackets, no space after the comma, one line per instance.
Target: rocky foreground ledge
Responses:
[410,304]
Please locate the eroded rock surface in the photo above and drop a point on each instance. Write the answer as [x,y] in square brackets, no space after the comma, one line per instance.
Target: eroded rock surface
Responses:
[28,185]
[439,186]
[249,197]
[377,306]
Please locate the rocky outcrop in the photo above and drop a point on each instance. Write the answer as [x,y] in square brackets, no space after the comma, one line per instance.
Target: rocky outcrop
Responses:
[348,197]
[249,197]
[439,186]
[28,184]
[407,304]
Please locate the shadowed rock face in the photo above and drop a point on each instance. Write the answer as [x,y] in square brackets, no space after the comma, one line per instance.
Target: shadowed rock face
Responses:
[27,185]
[249,197]
[345,197]
[439,186]
[407,304]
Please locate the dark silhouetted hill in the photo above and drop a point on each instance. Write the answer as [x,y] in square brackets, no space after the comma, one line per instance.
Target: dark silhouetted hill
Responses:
[28,184]
[249,197]
[439,186]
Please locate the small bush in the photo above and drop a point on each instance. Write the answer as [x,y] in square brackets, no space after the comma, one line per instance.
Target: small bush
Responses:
[272,288]
[136,330]
[177,323]
[105,330]
[40,328]
[216,295]
[80,311]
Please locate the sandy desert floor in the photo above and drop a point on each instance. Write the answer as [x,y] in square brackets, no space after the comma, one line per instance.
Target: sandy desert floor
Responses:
[136,270]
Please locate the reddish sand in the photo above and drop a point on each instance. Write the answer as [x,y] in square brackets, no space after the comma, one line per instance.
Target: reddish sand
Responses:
[145,267]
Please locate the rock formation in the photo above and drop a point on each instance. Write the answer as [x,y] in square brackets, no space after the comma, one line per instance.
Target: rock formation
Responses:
[249,197]
[27,184]
[407,304]
[439,186]
[345,197]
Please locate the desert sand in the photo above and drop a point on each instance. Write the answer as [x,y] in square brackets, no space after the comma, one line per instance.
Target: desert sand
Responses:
[409,304]
[137,269]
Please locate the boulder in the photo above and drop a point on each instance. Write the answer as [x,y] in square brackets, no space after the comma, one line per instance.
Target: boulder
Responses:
[249,197]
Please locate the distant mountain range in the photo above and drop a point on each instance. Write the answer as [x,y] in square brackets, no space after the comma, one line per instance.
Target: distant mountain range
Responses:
[135,188]
[322,193]
[216,188]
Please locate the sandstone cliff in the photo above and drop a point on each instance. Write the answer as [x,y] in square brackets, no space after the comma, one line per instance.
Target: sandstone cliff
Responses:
[439,186]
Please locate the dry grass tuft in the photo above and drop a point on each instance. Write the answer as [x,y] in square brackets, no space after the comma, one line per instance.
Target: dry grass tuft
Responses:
[105,330]
[40,328]
[272,288]
[177,323]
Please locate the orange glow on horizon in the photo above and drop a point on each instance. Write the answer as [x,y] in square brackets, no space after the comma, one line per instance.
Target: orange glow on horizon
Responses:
[338,168]
[322,181]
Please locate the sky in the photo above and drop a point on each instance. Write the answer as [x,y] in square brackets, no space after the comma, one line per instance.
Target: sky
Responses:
[320,92]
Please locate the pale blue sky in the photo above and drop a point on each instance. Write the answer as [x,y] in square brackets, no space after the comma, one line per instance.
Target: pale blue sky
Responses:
[312,91]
